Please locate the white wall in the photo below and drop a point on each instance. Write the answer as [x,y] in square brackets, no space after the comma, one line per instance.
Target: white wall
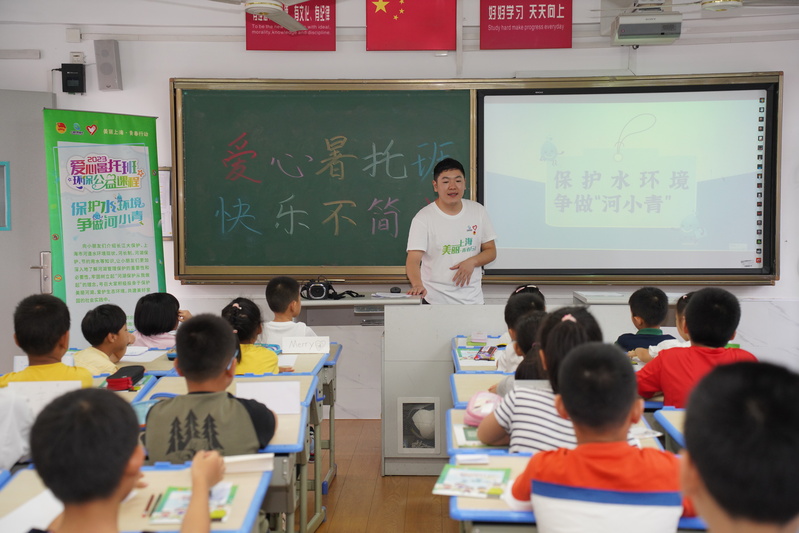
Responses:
[161,39]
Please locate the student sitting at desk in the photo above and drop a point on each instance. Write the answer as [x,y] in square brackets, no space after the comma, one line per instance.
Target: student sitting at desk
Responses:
[85,446]
[525,298]
[742,437]
[283,298]
[598,393]
[208,417]
[648,306]
[526,418]
[526,347]
[105,328]
[711,318]
[41,329]
[647,354]
[245,317]
[156,317]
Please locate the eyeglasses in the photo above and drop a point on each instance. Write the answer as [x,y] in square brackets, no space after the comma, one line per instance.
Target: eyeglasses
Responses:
[235,356]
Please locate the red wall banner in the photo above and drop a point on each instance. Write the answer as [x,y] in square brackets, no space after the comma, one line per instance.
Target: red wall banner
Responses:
[319,16]
[514,24]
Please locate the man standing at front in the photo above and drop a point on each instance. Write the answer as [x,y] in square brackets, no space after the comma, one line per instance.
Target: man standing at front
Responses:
[449,242]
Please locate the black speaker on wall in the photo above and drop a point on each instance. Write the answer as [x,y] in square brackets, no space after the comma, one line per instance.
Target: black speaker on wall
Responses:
[109,75]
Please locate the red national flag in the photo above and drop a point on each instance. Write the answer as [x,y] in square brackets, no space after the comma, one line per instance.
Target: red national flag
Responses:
[411,24]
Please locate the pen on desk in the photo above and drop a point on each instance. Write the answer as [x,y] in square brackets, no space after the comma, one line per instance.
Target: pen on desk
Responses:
[147,509]
[155,506]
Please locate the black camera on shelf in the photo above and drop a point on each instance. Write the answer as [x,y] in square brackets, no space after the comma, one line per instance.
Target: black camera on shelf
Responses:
[318,289]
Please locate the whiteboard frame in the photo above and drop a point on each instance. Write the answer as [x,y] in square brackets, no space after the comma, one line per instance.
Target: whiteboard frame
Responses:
[396,274]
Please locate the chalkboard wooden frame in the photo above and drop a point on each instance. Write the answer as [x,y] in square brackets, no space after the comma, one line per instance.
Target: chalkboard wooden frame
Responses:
[187,268]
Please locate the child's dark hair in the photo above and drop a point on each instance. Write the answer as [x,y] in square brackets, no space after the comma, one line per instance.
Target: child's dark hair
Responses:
[447,164]
[747,415]
[526,329]
[682,303]
[102,320]
[712,317]
[597,385]
[563,330]
[280,292]
[529,288]
[649,304]
[40,321]
[205,346]
[245,317]
[82,442]
[156,313]
[520,304]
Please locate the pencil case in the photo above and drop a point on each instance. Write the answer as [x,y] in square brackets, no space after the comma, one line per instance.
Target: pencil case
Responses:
[125,377]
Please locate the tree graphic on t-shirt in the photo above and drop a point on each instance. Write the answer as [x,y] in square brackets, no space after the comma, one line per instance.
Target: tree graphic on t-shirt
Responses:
[175,437]
[192,430]
[210,433]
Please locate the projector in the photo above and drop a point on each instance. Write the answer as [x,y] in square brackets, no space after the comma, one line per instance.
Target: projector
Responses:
[646,28]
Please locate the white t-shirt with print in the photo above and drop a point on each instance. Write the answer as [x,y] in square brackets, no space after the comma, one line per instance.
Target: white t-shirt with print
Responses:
[447,240]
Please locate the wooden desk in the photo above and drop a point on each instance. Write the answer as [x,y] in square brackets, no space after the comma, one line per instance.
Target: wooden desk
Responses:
[306,363]
[328,379]
[129,395]
[468,364]
[291,437]
[455,416]
[177,385]
[252,487]
[160,366]
[465,385]
[486,515]
[673,422]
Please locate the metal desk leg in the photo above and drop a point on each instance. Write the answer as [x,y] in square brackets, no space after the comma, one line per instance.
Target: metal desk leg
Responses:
[319,511]
[329,389]
[303,496]
[281,497]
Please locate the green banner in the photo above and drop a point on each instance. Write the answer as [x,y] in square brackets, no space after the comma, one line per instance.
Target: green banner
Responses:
[105,213]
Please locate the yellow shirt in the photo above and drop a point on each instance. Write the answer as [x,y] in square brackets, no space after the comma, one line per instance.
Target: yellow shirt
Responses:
[95,361]
[51,372]
[257,360]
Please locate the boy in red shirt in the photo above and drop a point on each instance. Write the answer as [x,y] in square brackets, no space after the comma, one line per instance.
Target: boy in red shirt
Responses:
[711,317]
[598,393]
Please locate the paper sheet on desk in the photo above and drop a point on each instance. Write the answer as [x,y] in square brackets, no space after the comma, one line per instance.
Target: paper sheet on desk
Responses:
[287,359]
[40,393]
[255,462]
[21,361]
[135,350]
[148,356]
[473,362]
[281,397]
[38,512]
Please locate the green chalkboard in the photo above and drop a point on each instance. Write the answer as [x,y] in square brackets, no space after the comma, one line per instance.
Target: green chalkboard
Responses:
[299,181]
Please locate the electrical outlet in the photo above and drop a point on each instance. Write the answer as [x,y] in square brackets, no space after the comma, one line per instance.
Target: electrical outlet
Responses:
[77,57]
